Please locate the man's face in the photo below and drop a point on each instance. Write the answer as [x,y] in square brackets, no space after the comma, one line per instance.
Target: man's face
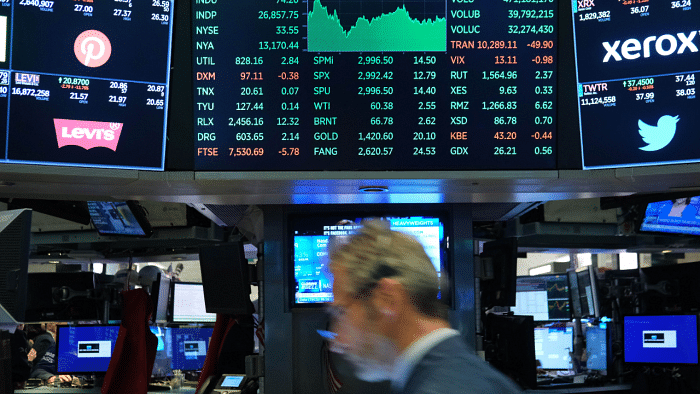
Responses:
[358,339]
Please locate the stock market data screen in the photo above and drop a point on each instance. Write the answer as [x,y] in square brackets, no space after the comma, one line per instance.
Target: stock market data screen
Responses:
[374,84]
[84,83]
[637,61]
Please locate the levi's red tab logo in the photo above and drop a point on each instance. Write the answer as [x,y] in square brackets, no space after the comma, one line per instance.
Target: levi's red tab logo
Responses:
[87,134]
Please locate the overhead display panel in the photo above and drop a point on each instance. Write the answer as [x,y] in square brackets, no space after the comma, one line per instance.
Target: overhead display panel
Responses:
[85,83]
[291,85]
[637,62]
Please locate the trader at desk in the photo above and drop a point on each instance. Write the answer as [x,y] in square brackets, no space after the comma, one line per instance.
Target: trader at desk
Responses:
[43,354]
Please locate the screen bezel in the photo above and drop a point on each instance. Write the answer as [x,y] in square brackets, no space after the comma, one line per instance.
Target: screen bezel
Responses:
[137,211]
[171,305]
[333,216]
[661,364]
[58,341]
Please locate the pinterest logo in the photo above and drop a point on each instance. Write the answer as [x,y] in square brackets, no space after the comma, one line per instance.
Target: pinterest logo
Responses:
[92,48]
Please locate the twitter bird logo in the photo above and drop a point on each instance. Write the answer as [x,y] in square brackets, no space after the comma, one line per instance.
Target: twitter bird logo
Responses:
[660,135]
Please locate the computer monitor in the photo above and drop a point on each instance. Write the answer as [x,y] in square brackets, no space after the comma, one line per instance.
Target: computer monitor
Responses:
[500,260]
[583,286]
[190,345]
[225,278]
[553,347]
[15,235]
[160,296]
[678,216]
[669,339]
[545,298]
[509,345]
[119,218]
[162,366]
[85,349]
[62,297]
[596,348]
[188,304]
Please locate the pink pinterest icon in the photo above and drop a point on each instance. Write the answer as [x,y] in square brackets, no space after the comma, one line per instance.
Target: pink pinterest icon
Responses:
[92,48]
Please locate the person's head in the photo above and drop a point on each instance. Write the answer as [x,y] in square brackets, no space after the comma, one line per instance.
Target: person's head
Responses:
[384,285]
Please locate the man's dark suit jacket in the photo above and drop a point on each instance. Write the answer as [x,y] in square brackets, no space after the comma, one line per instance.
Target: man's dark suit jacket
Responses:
[450,367]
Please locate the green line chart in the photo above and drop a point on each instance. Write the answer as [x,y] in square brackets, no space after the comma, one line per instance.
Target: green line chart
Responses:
[394,31]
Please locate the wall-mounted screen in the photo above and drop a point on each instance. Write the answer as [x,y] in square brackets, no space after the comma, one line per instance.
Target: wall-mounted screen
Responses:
[637,63]
[119,218]
[545,298]
[679,216]
[83,83]
[366,85]
[661,339]
[312,282]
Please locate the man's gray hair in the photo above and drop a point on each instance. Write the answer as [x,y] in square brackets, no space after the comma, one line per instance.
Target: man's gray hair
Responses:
[375,252]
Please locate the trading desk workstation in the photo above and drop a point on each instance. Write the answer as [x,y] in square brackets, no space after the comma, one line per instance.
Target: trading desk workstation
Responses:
[239,136]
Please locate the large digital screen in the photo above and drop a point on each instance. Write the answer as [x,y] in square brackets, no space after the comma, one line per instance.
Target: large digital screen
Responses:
[661,339]
[636,63]
[372,84]
[84,83]
[545,298]
[313,282]
[679,216]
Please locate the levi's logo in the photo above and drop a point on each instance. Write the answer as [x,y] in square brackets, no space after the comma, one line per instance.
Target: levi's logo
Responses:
[87,134]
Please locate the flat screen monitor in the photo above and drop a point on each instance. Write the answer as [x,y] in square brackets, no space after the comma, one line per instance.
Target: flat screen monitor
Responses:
[679,216]
[85,84]
[162,366]
[85,349]
[15,236]
[188,304]
[661,339]
[545,298]
[62,297]
[637,64]
[119,218]
[596,348]
[553,347]
[375,85]
[225,278]
[160,296]
[309,235]
[510,347]
[583,285]
[500,259]
[190,345]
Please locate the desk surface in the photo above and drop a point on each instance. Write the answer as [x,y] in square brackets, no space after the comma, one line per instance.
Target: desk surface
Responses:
[73,390]
[551,389]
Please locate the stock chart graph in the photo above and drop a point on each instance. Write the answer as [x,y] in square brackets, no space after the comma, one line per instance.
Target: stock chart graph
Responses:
[393,28]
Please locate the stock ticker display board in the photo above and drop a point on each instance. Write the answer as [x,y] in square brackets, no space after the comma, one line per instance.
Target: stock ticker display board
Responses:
[84,83]
[375,84]
[637,63]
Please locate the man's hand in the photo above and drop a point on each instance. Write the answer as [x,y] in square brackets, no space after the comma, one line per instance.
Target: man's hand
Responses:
[61,378]
[32,355]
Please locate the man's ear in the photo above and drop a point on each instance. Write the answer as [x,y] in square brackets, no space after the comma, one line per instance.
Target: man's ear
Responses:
[390,297]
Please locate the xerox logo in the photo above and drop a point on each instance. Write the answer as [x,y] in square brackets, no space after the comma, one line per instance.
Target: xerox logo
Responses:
[87,134]
[664,45]
[92,48]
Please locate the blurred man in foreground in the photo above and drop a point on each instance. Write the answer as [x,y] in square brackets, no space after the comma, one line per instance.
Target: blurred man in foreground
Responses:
[389,323]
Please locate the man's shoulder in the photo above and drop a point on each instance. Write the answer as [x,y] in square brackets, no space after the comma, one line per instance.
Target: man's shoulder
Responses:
[451,367]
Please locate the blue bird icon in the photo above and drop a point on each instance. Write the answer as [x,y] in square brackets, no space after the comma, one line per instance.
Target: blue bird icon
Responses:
[660,135]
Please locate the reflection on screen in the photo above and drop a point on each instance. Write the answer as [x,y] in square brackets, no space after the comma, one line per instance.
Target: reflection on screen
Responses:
[552,347]
[188,304]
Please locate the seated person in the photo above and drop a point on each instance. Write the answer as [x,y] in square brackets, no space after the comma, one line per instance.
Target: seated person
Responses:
[46,366]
